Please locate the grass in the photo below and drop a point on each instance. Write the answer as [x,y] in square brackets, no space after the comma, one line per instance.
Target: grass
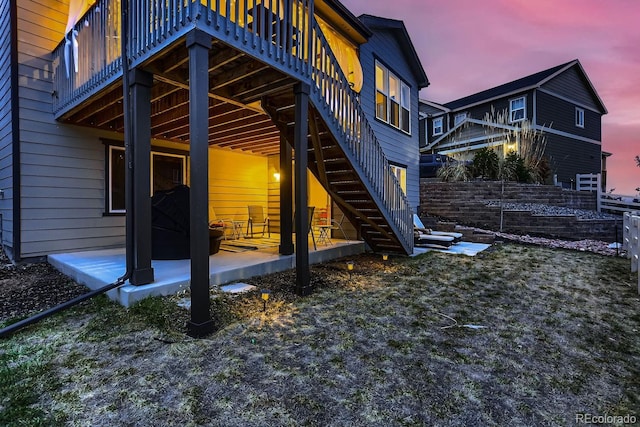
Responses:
[517,336]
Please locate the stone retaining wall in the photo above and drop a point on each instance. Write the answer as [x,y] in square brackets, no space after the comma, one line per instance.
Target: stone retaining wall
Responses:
[465,203]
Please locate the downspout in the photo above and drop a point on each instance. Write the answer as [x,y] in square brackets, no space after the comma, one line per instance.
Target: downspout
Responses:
[5,332]
[15,133]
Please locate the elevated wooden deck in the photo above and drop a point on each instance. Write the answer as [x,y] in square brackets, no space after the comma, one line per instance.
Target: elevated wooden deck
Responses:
[259,51]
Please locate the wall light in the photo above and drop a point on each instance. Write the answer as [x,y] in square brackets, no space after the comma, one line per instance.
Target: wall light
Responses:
[276,175]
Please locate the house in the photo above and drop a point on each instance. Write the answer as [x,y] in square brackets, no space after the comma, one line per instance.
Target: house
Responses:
[560,102]
[246,102]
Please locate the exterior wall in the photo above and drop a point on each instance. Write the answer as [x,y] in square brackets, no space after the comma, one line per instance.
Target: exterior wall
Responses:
[400,148]
[62,167]
[237,180]
[559,114]
[571,85]
[499,105]
[569,157]
[6,134]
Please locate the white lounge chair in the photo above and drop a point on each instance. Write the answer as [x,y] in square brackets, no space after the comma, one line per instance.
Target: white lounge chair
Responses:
[419,226]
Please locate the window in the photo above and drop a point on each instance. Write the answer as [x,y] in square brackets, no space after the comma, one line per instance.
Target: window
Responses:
[393,99]
[167,171]
[517,109]
[459,118]
[579,117]
[437,126]
[401,174]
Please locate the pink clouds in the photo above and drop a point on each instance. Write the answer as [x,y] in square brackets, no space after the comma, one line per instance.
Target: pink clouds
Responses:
[467,45]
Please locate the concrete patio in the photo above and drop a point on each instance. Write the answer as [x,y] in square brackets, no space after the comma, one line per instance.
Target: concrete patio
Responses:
[96,269]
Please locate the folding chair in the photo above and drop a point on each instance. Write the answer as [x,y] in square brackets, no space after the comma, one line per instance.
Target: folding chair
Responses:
[257,218]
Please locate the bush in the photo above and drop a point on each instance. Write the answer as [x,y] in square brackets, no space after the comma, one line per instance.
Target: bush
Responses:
[485,164]
[454,172]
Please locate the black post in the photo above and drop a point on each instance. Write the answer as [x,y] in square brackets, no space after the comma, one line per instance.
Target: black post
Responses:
[300,138]
[286,197]
[141,83]
[199,44]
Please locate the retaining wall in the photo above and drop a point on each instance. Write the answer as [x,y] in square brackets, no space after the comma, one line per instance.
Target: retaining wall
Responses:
[466,203]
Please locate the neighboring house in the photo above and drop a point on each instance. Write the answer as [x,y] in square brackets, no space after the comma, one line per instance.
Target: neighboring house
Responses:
[560,101]
[218,101]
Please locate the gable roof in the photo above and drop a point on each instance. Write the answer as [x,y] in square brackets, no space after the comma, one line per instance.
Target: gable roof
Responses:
[525,83]
[431,108]
[403,39]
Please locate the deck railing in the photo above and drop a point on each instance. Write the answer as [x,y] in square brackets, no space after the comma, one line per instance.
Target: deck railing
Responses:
[90,55]
[282,31]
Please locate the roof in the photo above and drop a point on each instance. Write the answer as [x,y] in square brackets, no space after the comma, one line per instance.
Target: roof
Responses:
[403,39]
[432,108]
[525,83]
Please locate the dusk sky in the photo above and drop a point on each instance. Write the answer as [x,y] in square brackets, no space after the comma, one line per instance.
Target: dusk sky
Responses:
[468,45]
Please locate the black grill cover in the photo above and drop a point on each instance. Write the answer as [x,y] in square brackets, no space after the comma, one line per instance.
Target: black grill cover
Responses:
[170,222]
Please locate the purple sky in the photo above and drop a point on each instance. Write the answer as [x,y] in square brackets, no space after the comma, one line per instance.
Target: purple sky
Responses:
[469,45]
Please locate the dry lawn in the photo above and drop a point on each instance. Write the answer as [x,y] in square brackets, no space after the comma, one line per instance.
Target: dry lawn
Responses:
[518,335]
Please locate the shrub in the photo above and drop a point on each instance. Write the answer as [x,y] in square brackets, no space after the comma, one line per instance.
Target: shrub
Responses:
[485,164]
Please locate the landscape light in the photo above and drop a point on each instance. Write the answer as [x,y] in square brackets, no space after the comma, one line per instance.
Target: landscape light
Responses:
[265,297]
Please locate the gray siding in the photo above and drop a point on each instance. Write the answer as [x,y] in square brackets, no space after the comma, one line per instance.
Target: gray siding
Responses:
[6,135]
[62,167]
[499,105]
[569,157]
[571,85]
[399,147]
[559,114]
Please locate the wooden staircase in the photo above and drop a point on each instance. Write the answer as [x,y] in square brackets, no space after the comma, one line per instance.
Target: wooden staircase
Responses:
[346,158]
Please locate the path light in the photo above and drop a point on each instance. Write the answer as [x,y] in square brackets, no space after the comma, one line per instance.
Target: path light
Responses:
[350,268]
[265,297]
[385,257]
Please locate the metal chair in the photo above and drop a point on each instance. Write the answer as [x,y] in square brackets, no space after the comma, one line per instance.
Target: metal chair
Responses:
[257,218]
[337,225]
[224,223]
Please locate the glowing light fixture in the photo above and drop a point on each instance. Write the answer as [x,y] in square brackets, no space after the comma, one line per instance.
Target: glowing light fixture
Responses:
[265,294]
[276,175]
[385,257]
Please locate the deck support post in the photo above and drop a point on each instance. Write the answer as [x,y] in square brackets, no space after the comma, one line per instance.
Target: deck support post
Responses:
[198,44]
[140,83]
[286,197]
[300,138]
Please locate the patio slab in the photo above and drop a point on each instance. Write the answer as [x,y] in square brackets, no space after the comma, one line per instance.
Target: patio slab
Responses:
[96,269]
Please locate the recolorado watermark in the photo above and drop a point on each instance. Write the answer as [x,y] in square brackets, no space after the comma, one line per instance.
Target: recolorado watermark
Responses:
[605,419]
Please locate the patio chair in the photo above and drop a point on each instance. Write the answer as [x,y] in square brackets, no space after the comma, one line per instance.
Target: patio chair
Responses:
[216,222]
[257,218]
[337,225]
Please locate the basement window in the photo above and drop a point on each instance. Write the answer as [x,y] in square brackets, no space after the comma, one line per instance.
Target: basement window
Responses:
[401,174]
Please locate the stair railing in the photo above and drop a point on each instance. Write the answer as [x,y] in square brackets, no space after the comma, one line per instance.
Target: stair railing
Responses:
[332,89]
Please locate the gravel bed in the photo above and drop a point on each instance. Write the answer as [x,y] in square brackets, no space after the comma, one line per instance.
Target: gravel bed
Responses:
[548,210]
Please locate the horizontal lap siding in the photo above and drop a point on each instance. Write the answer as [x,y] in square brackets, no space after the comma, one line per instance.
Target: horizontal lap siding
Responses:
[6,135]
[237,180]
[399,147]
[571,85]
[569,157]
[560,115]
[62,193]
